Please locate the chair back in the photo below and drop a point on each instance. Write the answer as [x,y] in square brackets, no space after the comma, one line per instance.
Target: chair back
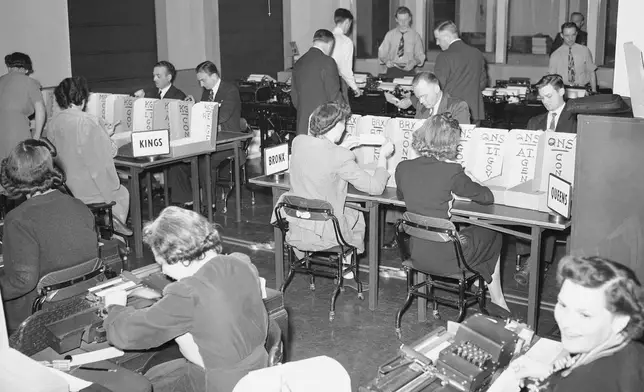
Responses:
[274,345]
[68,282]
[309,210]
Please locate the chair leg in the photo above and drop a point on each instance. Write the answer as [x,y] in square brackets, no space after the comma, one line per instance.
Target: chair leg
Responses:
[356,269]
[408,301]
[335,294]
[291,271]
[231,186]
[462,309]
[481,295]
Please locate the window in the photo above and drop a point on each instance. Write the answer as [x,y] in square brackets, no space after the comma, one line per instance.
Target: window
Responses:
[611,34]
[373,21]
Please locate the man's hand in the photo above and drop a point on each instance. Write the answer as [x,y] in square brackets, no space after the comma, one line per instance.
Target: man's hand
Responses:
[387,149]
[357,93]
[111,127]
[116,297]
[190,98]
[390,64]
[350,142]
[139,94]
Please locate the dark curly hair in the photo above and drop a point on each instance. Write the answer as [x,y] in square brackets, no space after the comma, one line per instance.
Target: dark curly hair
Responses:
[70,91]
[438,137]
[28,169]
[624,293]
[19,60]
[180,235]
[327,116]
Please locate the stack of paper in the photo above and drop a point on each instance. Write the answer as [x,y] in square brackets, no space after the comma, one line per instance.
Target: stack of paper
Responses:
[539,45]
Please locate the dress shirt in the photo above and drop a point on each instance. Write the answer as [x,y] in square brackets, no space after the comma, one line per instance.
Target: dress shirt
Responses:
[437,104]
[557,114]
[215,89]
[414,48]
[343,56]
[163,91]
[584,65]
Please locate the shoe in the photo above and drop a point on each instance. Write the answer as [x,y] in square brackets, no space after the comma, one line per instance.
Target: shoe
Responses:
[120,228]
[391,245]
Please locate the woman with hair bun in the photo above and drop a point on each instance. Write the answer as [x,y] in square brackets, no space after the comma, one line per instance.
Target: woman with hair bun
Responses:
[47,232]
[20,98]
[214,310]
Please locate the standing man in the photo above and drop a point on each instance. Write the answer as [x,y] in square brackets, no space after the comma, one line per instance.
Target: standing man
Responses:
[582,37]
[227,95]
[315,79]
[572,61]
[460,69]
[164,74]
[429,100]
[343,51]
[402,49]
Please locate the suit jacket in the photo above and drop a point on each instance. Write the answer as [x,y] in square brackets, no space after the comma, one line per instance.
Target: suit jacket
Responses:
[172,93]
[322,170]
[582,39]
[230,109]
[315,81]
[567,121]
[454,106]
[462,72]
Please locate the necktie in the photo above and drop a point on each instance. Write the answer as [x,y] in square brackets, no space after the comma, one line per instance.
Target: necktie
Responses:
[571,67]
[401,45]
[211,96]
[553,124]
[159,94]
[430,112]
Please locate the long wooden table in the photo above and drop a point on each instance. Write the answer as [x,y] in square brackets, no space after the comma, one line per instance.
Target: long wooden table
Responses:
[134,167]
[496,217]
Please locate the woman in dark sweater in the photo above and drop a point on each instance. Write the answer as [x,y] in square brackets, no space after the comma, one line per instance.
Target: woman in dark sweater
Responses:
[47,232]
[428,185]
[600,313]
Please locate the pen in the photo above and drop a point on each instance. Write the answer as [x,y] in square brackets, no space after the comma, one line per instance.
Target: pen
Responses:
[96,369]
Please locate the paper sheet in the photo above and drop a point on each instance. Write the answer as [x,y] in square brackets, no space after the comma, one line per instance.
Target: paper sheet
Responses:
[95,356]
[75,383]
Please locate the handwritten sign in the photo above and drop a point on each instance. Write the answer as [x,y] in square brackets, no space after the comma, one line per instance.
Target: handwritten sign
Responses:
[559,195]
[520,157]
[276,159]
[400,131]
[556,155]
[464,147]
[161,119]
[149,143]
[96,104]
[371,125]
[179,118]
[143,114]
[204,115]
[111,112]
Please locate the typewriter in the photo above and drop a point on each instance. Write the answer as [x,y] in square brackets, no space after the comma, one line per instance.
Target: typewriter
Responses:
[467,361]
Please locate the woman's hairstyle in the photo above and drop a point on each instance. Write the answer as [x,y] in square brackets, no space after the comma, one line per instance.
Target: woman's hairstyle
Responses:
[28,169]
[327,116]
[438,137]
[19,60]
[624,293]
[180,235]
[70,91]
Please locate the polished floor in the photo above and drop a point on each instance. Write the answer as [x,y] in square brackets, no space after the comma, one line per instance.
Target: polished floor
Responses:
[358,338]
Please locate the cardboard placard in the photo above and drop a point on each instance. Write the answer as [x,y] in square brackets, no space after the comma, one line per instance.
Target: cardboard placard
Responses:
[143,114]
[488,151]
[519,158]
[123,111]
[179,118]
[400,131]
[151,143]
[371,125]
[555,155]
[202,120]
[351,129]
[96,104]
[463,150]
[276,159]
[559,196]
[161,119]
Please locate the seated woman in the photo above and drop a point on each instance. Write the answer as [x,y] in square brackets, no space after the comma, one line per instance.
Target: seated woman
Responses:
[86,152]
[321,168]
[214,310]
[47,232]
[428,185]
[600,313]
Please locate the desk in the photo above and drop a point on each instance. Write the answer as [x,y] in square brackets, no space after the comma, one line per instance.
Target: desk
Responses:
[495,217]
[134,167]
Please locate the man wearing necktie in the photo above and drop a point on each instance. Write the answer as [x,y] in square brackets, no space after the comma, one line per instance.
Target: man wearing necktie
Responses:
[573,61]
[402,49]
[164,74]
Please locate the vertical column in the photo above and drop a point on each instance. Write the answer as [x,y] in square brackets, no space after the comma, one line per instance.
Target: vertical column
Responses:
[489,25]
[564,10]
[287,31]
[501,52]
[593,21]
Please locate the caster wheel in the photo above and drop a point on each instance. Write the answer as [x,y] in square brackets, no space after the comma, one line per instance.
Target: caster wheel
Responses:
[312,287]
[342,289]
[224,210]
[331,316]
[361,296]
[335,281]
[436,315]
[398,334]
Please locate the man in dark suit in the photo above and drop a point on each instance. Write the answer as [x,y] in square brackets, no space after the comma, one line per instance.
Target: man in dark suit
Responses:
[227,95]
[460,69]
[315,79]
[558,118]
[164,74]
[429,100]
[582,36]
